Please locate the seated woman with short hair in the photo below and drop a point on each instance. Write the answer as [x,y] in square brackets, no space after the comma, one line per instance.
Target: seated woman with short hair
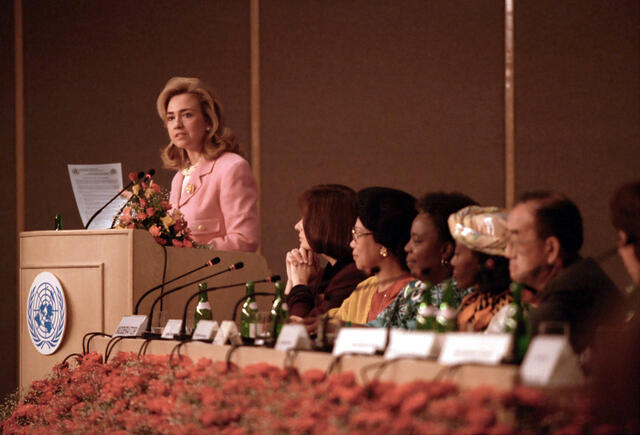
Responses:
[328,215]
[379,236]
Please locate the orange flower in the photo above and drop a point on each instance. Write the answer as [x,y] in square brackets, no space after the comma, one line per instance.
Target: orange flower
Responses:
[155,230]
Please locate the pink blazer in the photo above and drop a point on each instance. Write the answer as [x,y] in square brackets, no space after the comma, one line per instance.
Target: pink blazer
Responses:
[219,203]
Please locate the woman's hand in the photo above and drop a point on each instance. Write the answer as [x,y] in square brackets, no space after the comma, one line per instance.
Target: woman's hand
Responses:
[302,266]
[309,322]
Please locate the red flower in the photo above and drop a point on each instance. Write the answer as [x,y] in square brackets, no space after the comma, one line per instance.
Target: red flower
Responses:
[415,403]
[481,417]
[313,376]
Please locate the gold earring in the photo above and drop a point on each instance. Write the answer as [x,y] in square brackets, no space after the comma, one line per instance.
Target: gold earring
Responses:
[383,251]
[444,261]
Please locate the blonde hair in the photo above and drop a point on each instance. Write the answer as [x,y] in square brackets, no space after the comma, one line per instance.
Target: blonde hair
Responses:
[219,138]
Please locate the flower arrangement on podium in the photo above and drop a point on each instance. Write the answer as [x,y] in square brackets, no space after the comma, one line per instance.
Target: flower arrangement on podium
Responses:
[148,208]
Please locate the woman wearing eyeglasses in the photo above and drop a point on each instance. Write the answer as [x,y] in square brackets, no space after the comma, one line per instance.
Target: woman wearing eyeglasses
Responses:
[379,235]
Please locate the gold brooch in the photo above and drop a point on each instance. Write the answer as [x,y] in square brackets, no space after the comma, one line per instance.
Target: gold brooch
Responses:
[190,189]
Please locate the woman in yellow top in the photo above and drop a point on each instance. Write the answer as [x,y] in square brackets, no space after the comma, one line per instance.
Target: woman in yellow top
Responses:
[379,236]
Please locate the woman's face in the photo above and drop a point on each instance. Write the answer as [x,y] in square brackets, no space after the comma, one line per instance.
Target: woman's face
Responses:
[628,256]
[299,226]
[186,124]
[366,251]
[465,266]
[424,250]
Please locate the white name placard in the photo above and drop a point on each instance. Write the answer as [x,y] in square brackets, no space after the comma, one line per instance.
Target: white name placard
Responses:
[474,348]
[360,340]
[293,336]
[172,328]
[131,326]
[205,330]
[550,361]
[410,344]
[228,331]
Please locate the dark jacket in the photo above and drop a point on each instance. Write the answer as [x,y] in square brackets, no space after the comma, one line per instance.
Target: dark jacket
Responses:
[582,295]
[332,287]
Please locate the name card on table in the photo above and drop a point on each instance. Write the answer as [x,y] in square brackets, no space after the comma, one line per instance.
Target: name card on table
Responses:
[131,326]
[475,348]
[228,331]
[360,340]
[550,361]
[205,330]
[415,344]
[293,336]
[172,328]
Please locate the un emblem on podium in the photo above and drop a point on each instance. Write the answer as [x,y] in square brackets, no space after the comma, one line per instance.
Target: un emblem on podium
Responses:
[46,313]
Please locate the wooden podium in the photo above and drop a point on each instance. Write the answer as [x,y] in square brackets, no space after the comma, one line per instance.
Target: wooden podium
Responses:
[104,272]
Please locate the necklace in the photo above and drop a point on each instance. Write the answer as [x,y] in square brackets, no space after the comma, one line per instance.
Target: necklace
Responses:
[188,171]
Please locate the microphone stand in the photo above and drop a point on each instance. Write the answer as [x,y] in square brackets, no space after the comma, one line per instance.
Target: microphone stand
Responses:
[148,333]
[140,175]
[212,262]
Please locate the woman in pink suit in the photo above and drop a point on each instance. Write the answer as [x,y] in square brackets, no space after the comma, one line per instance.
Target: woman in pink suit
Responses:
[214,187]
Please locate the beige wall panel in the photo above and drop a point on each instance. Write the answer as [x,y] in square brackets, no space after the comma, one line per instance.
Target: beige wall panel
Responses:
[93,70]
[578,106]
[407,94]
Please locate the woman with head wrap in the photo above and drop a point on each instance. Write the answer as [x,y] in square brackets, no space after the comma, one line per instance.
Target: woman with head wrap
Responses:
[479,263]
[379,236]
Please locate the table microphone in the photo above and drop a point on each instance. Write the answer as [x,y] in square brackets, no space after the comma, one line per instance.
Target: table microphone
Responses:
[183,335]
[212,262]
[93,216]
[148,334]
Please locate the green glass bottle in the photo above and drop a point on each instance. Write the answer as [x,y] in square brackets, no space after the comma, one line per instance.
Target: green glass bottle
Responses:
[248,316]
[517,324]
[203,309]
[426,317]
[447,316]
[58,223]
[279,311]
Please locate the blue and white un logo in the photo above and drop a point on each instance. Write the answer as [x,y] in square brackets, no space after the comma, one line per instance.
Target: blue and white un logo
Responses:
[46,313]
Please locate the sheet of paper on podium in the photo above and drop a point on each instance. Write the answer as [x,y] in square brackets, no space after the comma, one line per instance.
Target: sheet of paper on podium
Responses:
[93,186]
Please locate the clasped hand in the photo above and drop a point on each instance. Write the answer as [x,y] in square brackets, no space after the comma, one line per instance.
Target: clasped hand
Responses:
[302,267]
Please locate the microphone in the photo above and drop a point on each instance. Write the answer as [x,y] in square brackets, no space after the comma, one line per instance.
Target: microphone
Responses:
[212,262]
[150,173]
[236,266]
[183,335]
[131,183]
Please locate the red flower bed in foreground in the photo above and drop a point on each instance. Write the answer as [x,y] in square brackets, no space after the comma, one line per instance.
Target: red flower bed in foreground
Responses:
[150,395]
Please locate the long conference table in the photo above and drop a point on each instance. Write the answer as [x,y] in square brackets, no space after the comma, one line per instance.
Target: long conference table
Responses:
[365,367]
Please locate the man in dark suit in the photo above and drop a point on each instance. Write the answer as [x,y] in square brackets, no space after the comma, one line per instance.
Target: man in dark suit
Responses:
[545,236]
